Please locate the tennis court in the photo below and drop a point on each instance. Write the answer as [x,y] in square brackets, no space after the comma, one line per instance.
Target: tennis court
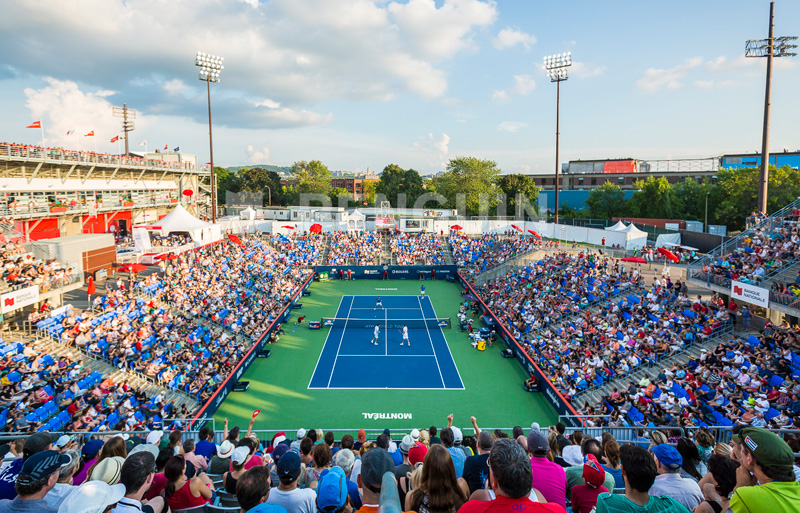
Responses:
[350,360]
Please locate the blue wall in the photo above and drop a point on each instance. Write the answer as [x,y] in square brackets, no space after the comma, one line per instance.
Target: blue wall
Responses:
[573,199]
[754,160]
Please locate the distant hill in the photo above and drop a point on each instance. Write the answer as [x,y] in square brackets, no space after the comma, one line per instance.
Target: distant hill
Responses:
[268,167]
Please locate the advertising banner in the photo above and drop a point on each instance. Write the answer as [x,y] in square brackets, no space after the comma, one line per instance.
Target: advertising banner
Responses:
[394,272]
[750,294]
[384,222]
[19,298]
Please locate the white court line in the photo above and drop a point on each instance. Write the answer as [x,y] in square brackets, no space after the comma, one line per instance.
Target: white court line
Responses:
[389,355]
[381,388]
[344,330]
[385,333]
[323,347]
[431,341]
[393,308]
[446,344]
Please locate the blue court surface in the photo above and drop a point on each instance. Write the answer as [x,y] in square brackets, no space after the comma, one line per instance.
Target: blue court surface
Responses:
[350,360]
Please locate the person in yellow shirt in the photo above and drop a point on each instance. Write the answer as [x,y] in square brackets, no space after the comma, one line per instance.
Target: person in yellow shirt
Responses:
[765,479]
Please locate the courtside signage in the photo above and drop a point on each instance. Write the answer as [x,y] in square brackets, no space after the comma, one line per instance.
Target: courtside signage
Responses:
[750,294]
[387,416]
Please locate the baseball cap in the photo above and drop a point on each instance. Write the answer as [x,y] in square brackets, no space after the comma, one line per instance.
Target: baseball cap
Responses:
[406,444]
[38,442]
[301,433]
[152,449]
[362,435]
[109,470]
[417,452]
[387,432]
[240,454]
[63,440]
[374,464]
[280,437]
[537,443]
[593,473]
[457,436]
[279,451]
[766,446]
[41,465]
[225,449]
[572,454]
[289,465]
[154,437]
[332,490]
[91,448]
[668,456]
[93,497]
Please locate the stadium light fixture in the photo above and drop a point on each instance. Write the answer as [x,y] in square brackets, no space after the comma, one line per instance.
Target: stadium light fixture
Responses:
[556,68]
[769,48]
[210,68]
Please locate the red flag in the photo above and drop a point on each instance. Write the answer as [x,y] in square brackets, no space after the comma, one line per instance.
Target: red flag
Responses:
[166,146]
[90,134]
[115,139]
[35,124]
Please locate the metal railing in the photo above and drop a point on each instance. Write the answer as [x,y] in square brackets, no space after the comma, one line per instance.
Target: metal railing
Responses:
[60,155]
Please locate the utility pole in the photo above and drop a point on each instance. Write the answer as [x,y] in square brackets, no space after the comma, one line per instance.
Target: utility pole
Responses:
[128,125]
[769,48]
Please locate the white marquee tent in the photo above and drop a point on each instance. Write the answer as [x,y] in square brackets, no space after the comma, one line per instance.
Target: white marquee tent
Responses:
[181,221]
[635,238]
[356,221]
[617,227]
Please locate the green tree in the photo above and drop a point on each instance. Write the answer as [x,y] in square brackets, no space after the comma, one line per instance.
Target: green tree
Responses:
[470,184]
[606,201]
[395,180]
[735,194]
[338,192]
[655,199]
[312,177]
[514,185]
[227,181]
[692,197]
[368,190]
[262,181]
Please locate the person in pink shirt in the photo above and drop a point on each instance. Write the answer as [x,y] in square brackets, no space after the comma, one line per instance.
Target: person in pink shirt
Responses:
[548,477]
[199,462]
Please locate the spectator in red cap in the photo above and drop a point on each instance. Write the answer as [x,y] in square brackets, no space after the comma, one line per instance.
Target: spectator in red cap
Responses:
[584,497]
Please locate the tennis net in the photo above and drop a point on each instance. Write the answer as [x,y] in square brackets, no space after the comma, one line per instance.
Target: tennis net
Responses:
[433,323]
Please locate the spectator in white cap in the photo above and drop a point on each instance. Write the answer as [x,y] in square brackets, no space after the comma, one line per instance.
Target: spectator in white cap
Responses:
[301,433]
[404,468]
[221,461]
[93,497]
[415,435]
[238,460]
[154,437]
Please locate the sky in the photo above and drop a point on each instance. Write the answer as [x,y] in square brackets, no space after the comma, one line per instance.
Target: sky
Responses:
[360,84]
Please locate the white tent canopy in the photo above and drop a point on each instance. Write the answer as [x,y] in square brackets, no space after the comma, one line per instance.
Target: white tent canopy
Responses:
[356,220]
[617,227]
[181,221]
[247,213]
[635,238]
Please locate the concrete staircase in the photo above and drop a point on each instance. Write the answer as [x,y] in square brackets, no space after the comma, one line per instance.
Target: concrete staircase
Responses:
[448,252]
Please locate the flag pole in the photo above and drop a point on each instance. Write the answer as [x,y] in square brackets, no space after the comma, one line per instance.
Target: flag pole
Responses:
[42,127]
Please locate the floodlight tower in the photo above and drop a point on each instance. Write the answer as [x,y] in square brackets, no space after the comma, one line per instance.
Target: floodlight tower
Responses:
[210,67]
[769,48]
[556,67]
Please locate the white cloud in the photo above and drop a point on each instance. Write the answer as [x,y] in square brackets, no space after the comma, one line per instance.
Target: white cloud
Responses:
[586,70]
[62,106]
[286,117]
[716,84]
[509,37]
[655,79]
[436,149]
[704,84]
[267,103]
[511,126]
[175,86]
[523,86]
[255,156]
[443,31]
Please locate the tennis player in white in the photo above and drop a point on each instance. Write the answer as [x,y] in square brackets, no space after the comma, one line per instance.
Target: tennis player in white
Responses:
[405,336]
[377,334]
